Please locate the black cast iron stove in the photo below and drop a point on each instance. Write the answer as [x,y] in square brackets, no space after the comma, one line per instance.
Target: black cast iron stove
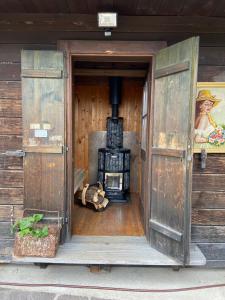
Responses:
[114,160]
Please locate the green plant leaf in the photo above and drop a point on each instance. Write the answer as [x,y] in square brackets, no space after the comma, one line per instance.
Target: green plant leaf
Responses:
[38,217]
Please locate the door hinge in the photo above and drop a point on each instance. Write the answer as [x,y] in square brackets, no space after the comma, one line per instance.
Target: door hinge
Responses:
[17,153]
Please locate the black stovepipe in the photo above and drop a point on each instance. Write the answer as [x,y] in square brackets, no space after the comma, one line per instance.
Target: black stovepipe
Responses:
[115,84]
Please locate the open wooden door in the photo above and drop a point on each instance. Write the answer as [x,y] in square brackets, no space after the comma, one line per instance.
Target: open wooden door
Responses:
[144,148]
[175,75]
[43,130]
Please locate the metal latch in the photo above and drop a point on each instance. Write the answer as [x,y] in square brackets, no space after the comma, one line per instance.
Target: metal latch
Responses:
[17,153]
[203,158]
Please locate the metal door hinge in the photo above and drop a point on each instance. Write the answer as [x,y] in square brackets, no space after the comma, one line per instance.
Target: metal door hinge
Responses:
[17,153]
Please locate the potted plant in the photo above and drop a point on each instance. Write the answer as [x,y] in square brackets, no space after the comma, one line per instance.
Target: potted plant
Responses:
[34,238]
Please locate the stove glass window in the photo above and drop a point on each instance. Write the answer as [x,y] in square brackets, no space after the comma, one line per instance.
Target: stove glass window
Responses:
[114,181]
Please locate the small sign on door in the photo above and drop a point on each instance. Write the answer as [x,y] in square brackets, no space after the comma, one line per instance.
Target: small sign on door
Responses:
[41,133]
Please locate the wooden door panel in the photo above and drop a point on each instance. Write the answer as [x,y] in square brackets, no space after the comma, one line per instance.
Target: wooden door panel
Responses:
[171,148]
[43,129]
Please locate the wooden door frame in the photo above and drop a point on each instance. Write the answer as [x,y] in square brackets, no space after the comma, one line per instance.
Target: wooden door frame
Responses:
[99,50]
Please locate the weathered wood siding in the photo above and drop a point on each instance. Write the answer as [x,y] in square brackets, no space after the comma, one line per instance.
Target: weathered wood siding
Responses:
[208,199]
[11,168]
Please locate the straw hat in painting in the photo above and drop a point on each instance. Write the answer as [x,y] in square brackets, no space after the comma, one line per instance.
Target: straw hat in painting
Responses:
[206,95]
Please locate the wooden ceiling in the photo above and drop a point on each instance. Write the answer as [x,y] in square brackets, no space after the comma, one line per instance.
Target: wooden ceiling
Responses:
[209,8]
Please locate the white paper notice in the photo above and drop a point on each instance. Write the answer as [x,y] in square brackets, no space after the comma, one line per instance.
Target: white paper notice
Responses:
[35,126]
[41,133]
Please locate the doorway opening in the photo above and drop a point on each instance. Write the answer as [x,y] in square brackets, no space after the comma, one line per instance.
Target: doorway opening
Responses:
[90,109]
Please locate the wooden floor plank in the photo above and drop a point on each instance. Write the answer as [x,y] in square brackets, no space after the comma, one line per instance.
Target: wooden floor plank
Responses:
[108,250]
[119,219]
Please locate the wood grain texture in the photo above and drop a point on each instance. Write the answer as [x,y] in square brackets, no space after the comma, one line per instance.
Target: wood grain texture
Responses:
[11,195]
[10,162]
[10,90]
[44,182]
[10,212]
[213,251]
[10,108]
[10,142]
[87,23]
[215,164]
[5,230]
[12,178]
[6,250]
[118,219]
[10,126]
[208,199]
[92,107]
[171,176]
[112,250]
[131,8]
[208,216]
[208,182]
[208,234]
[211,73]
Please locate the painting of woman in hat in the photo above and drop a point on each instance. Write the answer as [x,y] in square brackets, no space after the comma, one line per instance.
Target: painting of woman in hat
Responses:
[204,122]
[210,118]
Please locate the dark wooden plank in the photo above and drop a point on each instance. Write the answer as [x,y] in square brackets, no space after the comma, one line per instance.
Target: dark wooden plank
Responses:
[10,163]
[111,49]
[10,108]
[10,71]
[12,52]
[43,149]
[215,264]
[12,178]
[168,152]
[209,182]
[109,72]
[208,216]
[211,73]
[11,195]
[6,251]
[207,234]
[10,90]
[213,251]
[87,22]
[215,164]
[10,142]
[166,230]
[212,56]
[5,230]
[10,126]
[10,212]
[41,73]
[208,199]
[172,69]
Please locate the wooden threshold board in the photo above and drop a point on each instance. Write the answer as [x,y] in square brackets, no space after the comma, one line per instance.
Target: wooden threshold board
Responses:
[110,250]
[118,219]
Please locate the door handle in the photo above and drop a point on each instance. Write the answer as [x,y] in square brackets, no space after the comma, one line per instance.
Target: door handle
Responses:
[16,153]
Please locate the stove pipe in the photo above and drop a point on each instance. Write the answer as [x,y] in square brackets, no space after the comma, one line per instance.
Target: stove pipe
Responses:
[115,84]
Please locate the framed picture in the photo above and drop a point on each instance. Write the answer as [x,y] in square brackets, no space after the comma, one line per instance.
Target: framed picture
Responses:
[209,127]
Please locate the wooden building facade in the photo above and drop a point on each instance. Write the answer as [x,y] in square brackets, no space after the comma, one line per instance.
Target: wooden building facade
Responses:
[59,26]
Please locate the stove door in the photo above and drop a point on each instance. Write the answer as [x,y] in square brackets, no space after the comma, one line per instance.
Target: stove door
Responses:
[114,181]
[172,117]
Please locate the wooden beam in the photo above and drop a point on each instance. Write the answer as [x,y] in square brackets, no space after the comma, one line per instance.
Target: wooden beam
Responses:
[110,72]
[87,22]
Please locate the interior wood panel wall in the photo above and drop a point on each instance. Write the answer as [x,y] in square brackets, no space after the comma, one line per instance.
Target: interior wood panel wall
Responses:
[92,107]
